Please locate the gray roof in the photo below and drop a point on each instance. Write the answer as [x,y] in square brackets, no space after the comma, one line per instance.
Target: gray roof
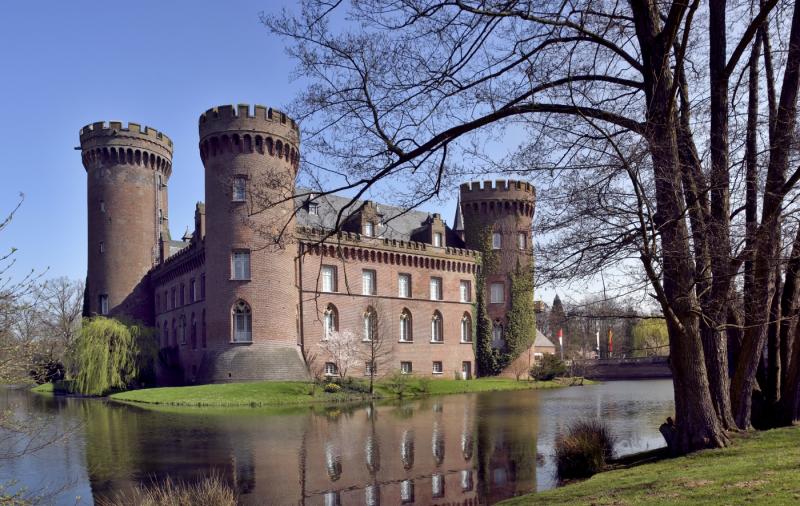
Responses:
[396,223]
[458,224]
[542,341]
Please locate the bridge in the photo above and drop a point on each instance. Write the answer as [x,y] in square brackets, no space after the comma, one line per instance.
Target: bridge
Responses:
[626,368]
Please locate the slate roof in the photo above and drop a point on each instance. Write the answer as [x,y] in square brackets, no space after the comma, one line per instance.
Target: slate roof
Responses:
[542,341]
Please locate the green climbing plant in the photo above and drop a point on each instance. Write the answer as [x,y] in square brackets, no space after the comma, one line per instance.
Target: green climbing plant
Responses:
[521,324]
[113,355]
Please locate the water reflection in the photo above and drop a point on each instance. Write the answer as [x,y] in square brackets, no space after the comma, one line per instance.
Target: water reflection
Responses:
[484,447]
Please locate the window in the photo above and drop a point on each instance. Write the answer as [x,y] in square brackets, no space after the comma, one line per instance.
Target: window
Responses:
[465,291]
[437,328]
[166,300]
[183,294]
[406,491]
[240,268]
[203,331]
[174,299]
[370,324]
[437,367]
[436,288]
[369,229]
[405,326]
[242,323]
[331,369]
[498,293]
[160,215]
[202,286]
[239,188]
[192,291]
[313,208]
[497,240]
[404,285]
[166,334]
[174,332]
[369,368]
[466,328]
[405,367]
[437,485]
[194,332]
[102,303]
[522,241]
[102,206]
[368,282]
[102,247]
[437,239]
[497,335]
[328,278]
[183,329]
[466,480]
[329,321]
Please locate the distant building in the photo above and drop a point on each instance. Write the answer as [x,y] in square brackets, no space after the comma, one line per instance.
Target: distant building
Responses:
[255,288]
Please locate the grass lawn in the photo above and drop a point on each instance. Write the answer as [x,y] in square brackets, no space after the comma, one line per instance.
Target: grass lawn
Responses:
[758,468]
[267,393]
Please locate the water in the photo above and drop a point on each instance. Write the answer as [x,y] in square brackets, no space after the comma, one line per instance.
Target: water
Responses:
[470,448]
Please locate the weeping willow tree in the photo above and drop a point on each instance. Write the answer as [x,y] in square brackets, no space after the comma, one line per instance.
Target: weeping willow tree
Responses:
[112,355]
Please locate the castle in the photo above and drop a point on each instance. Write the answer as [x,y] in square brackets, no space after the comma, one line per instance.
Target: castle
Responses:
[263,281]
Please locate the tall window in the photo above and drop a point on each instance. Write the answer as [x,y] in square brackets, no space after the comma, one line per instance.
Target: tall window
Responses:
[166,334]
[183,294]
[194,332]
[465,291]
[240,265]
[522,240]
[369,229]
[242,323]
[203,330]
[183,329]
[102,303]
[405,367]
[329,321]
[102,206]
[328,278]
[174,332]
[192,290]
[239,188]
[404,285]
[405,326]
[497,240]
[166,301]
[436,288]
[437,328]
[102,247]
[497,335]
[368,282]
[437,239]
[174,299]
[203,285]
[498,293]
[466,328]
[370,324]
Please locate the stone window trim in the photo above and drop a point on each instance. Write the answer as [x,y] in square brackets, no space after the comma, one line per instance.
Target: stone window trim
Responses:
[241,323]
[406,327]
[437,328]
[330,321]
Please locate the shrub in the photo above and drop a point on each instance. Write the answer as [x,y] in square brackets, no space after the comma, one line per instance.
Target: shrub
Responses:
[354,385]
[397,383]
[46,370]
[211,491]
[584,449]
[332,388]
[548,368]
[424,385]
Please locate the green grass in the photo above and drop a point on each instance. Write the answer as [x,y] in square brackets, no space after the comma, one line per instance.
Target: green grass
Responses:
[270,393]
[758,468]
[59,387]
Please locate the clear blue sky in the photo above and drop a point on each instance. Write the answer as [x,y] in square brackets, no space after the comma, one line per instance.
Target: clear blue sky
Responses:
[158,63]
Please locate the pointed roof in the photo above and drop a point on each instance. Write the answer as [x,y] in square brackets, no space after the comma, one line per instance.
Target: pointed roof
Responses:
[542,341]
[458,223]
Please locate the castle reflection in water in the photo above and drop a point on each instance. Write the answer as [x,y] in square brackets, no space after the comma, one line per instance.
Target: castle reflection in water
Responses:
[435,451]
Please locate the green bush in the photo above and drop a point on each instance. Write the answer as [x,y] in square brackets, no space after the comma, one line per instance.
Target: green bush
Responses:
[397,383]
[332,388]
[424,385]
[548,368]
[46,370]
[113,355]
[584,449]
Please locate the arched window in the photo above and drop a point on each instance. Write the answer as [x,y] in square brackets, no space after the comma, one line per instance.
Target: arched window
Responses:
[183,329]
[405,326]
[203,331]
[174,332]
[437,334]
[242,322]
[165,337]
[194,332]
[370,324]
[497,334]
[466,328]
[329,321]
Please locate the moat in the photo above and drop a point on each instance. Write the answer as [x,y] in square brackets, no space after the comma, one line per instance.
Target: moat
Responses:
[468,448]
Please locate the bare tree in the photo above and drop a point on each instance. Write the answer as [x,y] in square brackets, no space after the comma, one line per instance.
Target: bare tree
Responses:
[378,345]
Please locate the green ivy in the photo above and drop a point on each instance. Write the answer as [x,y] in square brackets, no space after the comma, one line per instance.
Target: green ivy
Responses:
[521,326]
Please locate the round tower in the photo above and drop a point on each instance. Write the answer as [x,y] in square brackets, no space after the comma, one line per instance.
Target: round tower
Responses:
[498,216]
[251,158]
[127,169]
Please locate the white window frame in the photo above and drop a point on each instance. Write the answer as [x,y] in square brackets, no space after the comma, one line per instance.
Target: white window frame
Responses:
[497,293]
[406,336]
[438,239]
[406,367]
[436,288]
[497,240]
[466,329]
[242,333]
[369,325]
[369,229]
[313,208]
[440,367]
[240,265]
[437,328]
[522,241]
[465,290]
[239,188]
[328,323]
[328,279]
[102,302]
[369,282]
[331,369]
[404,280]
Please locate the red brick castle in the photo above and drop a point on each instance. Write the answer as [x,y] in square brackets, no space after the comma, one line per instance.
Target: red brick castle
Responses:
[261,281]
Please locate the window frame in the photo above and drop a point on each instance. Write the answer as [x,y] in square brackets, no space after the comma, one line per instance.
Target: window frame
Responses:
[333,275]
[465,329]
[522,241]
[502,292]
[407,277]
[331,370]
[439,295]
[239,188]
[409,369]
[433,367]
[497,240]
[102,304]
[246,276]
[462,295]
[406,322]
[437,328]
[247,315]
[438,240]
[373,286]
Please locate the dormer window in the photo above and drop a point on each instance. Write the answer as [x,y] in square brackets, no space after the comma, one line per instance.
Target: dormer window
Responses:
[369,229]
[239,188]
[437,239]
[313,208]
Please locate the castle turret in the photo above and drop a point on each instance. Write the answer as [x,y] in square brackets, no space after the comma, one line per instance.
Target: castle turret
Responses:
[251,158]
[127,169]
[498,215]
